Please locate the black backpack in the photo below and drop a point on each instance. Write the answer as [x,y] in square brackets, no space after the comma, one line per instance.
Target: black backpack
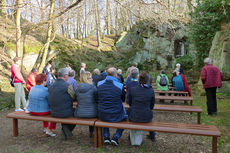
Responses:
[12,81]
[163,81]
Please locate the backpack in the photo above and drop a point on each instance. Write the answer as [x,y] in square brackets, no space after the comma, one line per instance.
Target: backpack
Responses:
[163,81]
[12,81]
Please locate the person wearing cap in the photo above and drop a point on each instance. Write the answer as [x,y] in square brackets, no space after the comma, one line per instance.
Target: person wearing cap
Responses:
[31,79]
[178,67]
[61,97]
[211,78]
[18,80]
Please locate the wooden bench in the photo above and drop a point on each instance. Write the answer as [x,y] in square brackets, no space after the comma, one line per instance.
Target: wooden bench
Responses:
[71,120]
[171,92]
[176,108]
[170,87]
[176,98]
[177,128]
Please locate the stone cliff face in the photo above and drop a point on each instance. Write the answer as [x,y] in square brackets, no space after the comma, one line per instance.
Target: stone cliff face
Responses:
[220,52]
[158,43]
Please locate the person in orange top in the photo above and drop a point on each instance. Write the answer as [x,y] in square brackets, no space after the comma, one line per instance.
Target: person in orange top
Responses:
[31,79]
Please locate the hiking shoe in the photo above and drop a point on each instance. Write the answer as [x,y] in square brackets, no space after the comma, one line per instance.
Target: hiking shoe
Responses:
[45,130]
[152,138]
[114,142]
[17,110]
[50,133]
[107,141]
[26,110]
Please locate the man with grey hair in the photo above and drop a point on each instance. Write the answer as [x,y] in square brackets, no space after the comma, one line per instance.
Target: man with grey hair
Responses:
[110,107]
[211,78]
[61,97]
[71,80]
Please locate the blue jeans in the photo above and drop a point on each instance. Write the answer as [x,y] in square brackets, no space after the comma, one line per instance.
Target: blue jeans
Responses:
[116,135]
[91,129]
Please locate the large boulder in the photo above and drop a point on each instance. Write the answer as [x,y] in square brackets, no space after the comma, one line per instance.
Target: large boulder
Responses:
[220,52]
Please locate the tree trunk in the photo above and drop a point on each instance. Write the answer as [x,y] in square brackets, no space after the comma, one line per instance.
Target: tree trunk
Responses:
[50,27]
[97,17]
[2,3]
[18,28]
[108,17]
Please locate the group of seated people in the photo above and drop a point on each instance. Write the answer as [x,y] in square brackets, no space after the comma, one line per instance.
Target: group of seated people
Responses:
[103,100]
[97,96]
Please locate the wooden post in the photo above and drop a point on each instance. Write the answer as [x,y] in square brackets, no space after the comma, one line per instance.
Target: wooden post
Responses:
[95,137]
[15,127]
[214,144]
[99,137]
[198,117]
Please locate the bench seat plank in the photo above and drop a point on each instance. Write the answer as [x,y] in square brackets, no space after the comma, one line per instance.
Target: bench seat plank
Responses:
[49,118]
[171,92]
[178,128]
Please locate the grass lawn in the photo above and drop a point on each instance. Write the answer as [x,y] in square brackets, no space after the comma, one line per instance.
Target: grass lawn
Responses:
[221,120]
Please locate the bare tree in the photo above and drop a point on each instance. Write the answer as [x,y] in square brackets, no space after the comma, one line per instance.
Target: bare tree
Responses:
[18,28]
[97,18]
[50,27]
[2,3]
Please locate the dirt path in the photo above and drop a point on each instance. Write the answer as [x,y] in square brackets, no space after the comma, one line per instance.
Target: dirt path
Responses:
[31,139]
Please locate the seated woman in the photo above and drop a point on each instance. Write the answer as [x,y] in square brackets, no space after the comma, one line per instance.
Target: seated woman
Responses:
[141,101]
[132,82]
[39,104]
[86,95]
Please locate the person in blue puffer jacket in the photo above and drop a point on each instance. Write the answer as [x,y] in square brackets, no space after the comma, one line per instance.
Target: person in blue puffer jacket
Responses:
[110,108]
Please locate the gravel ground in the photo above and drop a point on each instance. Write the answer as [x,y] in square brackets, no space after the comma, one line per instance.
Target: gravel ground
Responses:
[31,139]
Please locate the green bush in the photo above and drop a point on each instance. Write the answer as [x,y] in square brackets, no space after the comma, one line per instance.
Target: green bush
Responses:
[206,20]
[186,62]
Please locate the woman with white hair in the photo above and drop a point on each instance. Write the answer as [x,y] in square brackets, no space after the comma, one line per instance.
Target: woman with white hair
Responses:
[133,82]
[82,70]
[211,78]
[178,67]
[119,76]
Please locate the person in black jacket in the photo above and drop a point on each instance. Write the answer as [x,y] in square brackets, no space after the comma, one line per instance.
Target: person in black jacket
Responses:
[61,97]
[96,76]
[141,102]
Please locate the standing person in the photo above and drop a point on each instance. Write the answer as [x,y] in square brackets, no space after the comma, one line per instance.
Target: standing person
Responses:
[178,67]
[82,70]
[71,79]
[141,102]
[110,107]
[162,83]
[68,67]
[46,69]
[18,80]
[211,78]
[61,97]
[39,104]
[51,77]
[31,79]
[96,76]
[86,95]
[119,76]
[178,82]
[133,82]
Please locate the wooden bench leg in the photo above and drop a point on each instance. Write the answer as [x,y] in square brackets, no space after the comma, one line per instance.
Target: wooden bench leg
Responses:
[191,102]
[95,137]
[15,127]
[99,137]
[198,117]
[214,144]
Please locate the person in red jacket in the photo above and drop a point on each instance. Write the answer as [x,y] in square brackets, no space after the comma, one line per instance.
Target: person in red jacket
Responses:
[211,78]
[31,79]
[18,81]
